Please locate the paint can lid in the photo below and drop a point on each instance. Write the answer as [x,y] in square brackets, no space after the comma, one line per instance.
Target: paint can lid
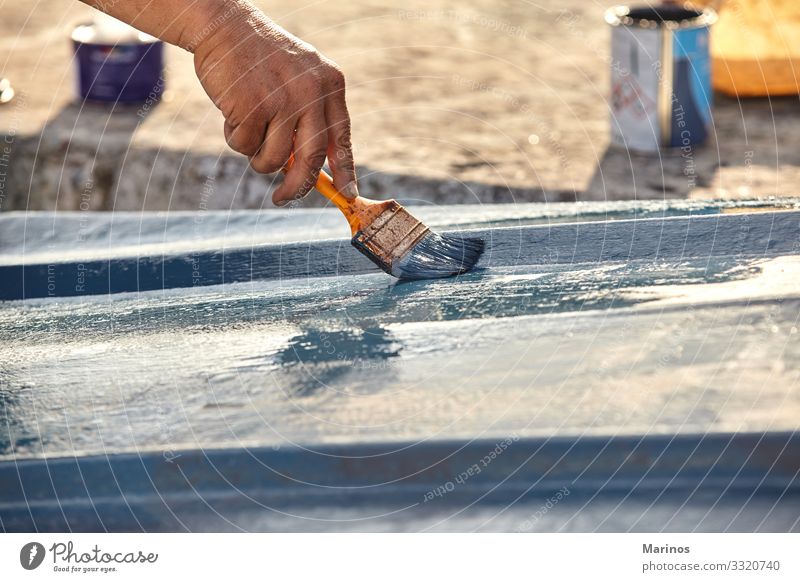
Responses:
[665,16]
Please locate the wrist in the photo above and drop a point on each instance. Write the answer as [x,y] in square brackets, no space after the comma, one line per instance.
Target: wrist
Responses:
[210,18]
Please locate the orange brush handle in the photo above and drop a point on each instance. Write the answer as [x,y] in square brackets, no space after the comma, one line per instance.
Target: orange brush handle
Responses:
[358,211]
[326,188]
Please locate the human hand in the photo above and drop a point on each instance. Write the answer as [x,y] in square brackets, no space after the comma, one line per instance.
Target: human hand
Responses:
[279,96]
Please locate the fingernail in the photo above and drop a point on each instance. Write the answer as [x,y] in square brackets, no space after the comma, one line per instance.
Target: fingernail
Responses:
[351,190]
[280,203]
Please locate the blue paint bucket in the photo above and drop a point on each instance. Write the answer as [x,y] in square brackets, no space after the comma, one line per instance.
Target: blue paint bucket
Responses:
[120,65]
[660,76]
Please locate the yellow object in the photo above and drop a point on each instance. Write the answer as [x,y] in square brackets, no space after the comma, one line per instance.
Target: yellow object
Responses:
[755,47]
[360,212]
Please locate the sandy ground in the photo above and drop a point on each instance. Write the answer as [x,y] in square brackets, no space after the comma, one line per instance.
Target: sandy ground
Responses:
[497,101]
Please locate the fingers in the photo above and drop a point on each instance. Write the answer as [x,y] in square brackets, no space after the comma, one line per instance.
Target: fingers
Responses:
[247,136]
[304,113]
[310,146]
[276,148]
[340,149]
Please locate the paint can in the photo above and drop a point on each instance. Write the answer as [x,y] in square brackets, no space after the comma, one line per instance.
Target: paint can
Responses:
[117,63]
[660,76]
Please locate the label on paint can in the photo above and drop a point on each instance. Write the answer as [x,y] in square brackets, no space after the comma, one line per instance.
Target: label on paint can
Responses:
[660,76]
[128,69]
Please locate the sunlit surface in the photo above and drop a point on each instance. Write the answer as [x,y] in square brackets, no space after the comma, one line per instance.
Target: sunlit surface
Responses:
[580,351]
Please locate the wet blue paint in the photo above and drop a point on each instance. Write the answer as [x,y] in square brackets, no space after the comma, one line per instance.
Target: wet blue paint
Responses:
[643,346]
[764,234]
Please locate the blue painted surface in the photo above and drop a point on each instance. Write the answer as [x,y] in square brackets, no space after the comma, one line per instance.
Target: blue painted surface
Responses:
[669,238]
[648,366]
[395,487]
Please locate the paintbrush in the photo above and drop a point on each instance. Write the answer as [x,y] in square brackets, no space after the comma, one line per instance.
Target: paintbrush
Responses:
[397,242]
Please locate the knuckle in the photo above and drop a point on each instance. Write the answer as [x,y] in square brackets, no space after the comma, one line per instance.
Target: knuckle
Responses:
[307,50]
[243,141]
[258,165]
[314,160]
[311,166]
[266,164]
[343,138]
[234,116]
[247,148]
[335,77]
[262,167]
[277,159]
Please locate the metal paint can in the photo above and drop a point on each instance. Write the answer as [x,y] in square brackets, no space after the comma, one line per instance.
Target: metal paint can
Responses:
[118,65]
[660,76]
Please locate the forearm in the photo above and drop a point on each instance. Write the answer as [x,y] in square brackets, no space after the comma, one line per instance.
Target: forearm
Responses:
[184,23]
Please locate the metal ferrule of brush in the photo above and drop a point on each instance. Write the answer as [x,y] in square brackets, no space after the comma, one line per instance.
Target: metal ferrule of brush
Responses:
[390,237]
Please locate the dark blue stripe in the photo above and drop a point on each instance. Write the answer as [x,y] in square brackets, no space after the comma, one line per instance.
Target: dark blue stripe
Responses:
[396,475]
[758,234]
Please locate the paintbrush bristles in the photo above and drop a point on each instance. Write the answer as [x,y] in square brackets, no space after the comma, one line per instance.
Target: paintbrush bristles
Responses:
[404,247]
[439,255]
